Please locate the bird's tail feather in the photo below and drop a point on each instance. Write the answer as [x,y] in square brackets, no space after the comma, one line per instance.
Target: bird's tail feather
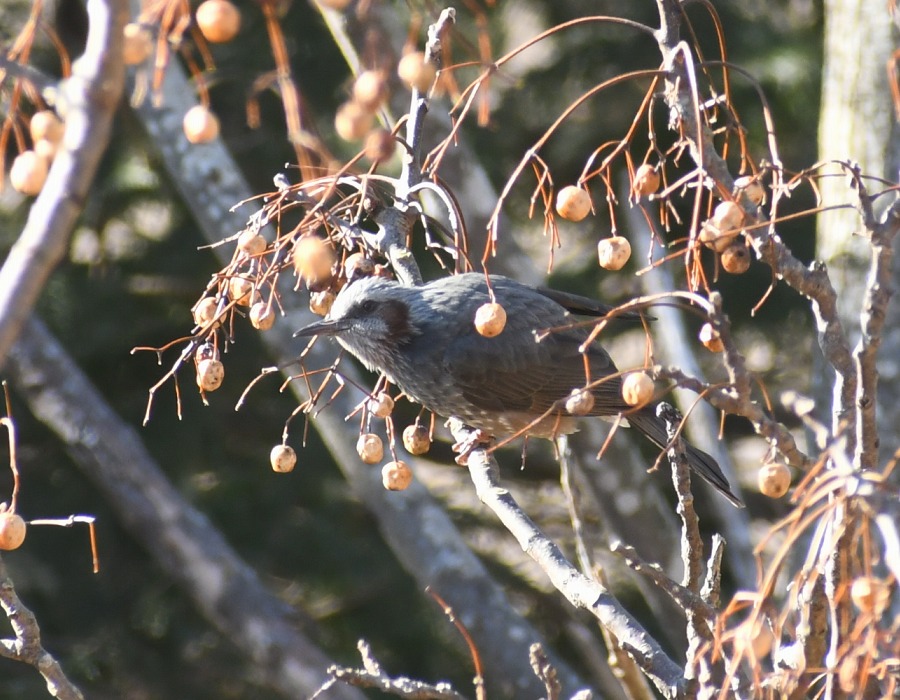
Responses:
[647,422]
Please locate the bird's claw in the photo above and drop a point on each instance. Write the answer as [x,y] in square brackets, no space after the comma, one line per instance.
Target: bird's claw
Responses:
[474,439]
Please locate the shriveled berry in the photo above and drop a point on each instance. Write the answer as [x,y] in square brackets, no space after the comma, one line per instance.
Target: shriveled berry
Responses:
[646,181]
[490,319]
[396,476]
[210,374]
[613,252]
[251,243]
[752,187]
[358,265]
[12,530]
[715,238]
[774,479]
[580,402]
[283,458]
[205,312]
[380,405]
[637,388]
[240,289]
[28,173]
[736,258]
[320,302]
[262,316]
[370,448]
[573,203]
[710,338]
[200,125]
[416,72]
[416,439]
[138,44]
[218,20]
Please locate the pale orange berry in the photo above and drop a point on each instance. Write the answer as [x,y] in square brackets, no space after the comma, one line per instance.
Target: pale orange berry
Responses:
[646,181]
[637,388]
[416,72]
[210,374]
[370,89]
[218,20]
[380,405]
[752,188]
[283,459]
[416,439]
[251,243]
[396,476]
[28,173]
[580,402]
[490,319]
[353,121]
[262,316]
[370,448]
[320,303]
[715,238]
[12,530]
[313,259]
[614,252]
[380,145]
[205,312]
[736,258]
[46,125]
[727,216]
[240,289]
[870,594]
[573,203]
[774,479]
[200,125]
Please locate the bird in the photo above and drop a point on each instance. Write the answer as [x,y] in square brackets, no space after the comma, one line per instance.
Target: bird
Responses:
[423,340]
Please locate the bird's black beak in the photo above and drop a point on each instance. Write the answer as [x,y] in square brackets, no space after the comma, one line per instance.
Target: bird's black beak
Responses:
[325,327]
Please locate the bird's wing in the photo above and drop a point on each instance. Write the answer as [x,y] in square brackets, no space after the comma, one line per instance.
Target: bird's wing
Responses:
[519,374]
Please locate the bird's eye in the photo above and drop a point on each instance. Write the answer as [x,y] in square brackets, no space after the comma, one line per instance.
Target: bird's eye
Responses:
[368,306]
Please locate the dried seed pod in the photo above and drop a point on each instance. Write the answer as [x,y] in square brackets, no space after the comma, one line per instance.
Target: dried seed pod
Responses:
[262,316]
[580,402]
[573,203]
[200,125]
[637,388]
[314,259]
[218,20]
[710,338]
[646,181]
[358,265]
[370,448]
[252,243]
[283,459]
[12,530]
[774,479]
[380,405]
[396,476]
[416,439]
[490,319]
[29,173]
[613,252]
[205,312]
[210,374]
[736,258]
[138,44]
[416,72]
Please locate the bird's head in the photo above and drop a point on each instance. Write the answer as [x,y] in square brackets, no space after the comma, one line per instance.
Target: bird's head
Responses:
[371,319]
